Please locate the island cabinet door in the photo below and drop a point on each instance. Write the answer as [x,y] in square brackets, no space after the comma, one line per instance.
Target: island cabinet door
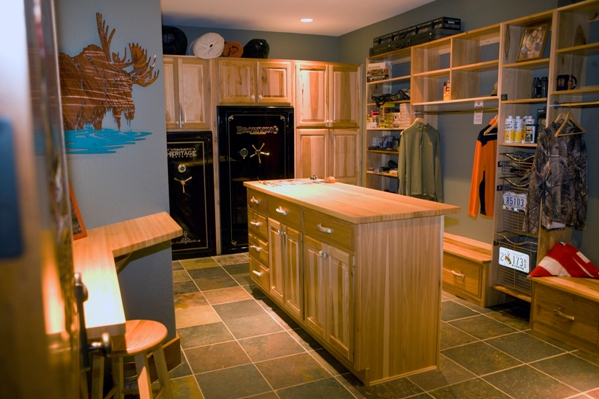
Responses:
[293,294]
[276,259]
[314,286]
[340,307]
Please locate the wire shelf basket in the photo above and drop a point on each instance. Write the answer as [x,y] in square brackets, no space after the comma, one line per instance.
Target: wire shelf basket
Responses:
[517,258]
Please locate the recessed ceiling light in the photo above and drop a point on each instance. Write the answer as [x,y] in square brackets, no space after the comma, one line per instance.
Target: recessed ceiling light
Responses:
[306,20]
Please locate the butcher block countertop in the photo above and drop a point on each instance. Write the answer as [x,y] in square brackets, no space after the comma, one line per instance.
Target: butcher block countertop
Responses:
[94,257]
[353,204]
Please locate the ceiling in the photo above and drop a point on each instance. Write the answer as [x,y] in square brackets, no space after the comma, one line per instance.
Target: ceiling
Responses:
[331,17]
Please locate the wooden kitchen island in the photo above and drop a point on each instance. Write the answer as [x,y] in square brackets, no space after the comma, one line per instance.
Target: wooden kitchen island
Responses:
[358,269]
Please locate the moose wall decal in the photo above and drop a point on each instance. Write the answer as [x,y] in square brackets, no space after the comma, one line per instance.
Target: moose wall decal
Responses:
[97,81]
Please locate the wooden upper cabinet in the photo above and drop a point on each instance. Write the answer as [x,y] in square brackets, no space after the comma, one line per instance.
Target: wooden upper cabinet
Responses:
[187,93]
[327,95]
[254,82]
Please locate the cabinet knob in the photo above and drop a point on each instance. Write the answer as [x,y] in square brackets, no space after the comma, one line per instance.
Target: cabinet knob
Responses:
[323,229]
[281,211]
[323,255]
[257,273]
[253,97]
[260,98]
[458,274]
[254,201]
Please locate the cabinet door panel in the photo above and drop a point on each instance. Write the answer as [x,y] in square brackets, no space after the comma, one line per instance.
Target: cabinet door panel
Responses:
[274,82]
[340,308]
[294,277]
[344,157]
[193,88]
[312,153]
[171,101]
[344,94]
[236,80]
[311,103]
[314,287]
[276,259]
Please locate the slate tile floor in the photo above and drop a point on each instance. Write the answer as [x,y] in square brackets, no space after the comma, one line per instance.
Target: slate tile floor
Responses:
[237,344]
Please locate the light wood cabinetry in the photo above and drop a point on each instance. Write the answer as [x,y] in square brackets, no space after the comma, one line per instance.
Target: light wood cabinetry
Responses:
[254,82]
[327,114]
[187,93]
[567,309]
[369,274]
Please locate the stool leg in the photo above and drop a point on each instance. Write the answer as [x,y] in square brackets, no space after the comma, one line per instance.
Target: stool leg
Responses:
[144,382]
[161,369]
[97,377]
[118,377]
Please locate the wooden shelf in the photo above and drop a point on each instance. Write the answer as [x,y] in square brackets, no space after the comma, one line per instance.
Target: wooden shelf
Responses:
[480,66]
[540,63]
[526,101]
[384,174]
[459,101]
[394,152]
[585,49]
[390,80]
[512,292]
[432,74]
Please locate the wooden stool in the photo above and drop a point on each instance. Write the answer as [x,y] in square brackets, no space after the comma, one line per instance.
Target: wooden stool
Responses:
[142,337]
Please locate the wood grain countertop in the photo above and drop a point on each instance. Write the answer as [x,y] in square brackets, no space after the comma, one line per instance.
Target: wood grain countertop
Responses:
[94,257]
[353,204]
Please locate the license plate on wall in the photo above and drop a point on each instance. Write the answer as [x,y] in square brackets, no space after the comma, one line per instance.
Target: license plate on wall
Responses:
[514,201]
[514,259]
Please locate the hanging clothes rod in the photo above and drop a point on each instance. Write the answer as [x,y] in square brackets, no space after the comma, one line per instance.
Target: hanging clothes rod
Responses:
[455,111]
[575,104]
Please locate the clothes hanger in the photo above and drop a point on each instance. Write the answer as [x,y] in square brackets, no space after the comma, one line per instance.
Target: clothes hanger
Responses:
[492,125]
[569,118]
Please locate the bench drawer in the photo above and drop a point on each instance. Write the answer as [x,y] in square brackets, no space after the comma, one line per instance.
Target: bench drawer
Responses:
[463,274]
[566,313]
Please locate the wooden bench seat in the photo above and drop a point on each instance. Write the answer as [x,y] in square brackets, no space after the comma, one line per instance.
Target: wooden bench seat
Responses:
[466,268]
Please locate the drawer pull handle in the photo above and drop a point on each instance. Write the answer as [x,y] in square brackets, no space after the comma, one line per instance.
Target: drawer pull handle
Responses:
[558,312]
[281,211]
[254,201]
[256,248]
[324,229]
[458,274]
[257,273]
[254,223]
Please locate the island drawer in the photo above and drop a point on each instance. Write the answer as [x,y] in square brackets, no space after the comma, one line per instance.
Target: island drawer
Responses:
[462,274]
[259,274]
[285,212]
[257,201]
[257,225]
[329,229]
[258,249]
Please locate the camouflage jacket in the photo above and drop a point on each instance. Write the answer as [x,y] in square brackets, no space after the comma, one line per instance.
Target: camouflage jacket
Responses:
[557,192]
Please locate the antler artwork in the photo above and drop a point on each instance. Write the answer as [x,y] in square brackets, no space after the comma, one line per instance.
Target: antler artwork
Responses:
[96,81]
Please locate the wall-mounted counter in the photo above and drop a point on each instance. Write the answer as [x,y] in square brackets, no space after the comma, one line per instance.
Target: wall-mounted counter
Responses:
[358,269]
[94,257]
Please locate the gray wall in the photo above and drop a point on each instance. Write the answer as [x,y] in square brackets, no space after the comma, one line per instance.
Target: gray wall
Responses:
[458,133]
[132,182]
[282,45]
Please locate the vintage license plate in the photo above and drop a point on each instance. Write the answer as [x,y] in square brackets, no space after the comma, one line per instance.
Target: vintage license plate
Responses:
[514,259]
[514,201]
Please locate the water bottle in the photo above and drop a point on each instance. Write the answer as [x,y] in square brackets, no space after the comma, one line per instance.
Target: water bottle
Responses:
[508,134]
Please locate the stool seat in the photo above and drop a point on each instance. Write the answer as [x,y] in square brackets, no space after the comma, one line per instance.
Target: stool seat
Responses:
[142,337]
